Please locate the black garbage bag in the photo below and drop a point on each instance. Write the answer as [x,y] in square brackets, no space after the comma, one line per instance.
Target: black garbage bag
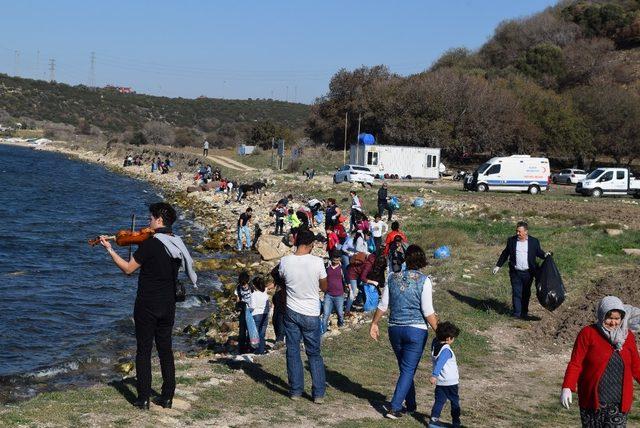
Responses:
[549,286]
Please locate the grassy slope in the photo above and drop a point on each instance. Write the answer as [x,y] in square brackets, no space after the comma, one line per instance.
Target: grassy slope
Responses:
[361,373]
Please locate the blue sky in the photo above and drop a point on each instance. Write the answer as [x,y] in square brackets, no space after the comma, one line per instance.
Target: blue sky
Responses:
[285,50]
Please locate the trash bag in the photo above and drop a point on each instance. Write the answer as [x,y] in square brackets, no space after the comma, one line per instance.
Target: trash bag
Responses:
[549,286]
[319,217]
[371,298]
[371,244]
[394,203]
[418,202]
[442,252]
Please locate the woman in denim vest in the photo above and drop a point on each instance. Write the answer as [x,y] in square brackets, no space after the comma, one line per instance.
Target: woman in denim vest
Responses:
[408,295]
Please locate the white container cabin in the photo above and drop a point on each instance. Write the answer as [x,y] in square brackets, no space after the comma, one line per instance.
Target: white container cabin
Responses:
[418,162]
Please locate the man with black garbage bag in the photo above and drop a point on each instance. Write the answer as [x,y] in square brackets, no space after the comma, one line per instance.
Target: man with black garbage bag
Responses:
[521,251]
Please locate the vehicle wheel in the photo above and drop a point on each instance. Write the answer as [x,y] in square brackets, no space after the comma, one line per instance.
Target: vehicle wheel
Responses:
[636,195]
[534,190]
[555,180]
[482,187]
[596,193]
[335,180]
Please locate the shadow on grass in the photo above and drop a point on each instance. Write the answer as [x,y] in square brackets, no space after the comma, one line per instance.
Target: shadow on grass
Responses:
[126,388]
[484,305]
[343,384]
[260,375]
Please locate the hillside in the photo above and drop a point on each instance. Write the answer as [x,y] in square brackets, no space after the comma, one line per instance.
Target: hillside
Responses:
[563,82]
[112,111]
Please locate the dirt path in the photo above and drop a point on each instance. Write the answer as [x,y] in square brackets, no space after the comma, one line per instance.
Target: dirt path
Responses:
[230,163]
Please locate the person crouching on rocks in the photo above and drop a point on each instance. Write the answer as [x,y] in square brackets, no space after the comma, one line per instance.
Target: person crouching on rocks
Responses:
[603,365]
[159,258]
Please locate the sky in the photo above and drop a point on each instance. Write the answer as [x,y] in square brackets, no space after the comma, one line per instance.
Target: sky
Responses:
[285,50]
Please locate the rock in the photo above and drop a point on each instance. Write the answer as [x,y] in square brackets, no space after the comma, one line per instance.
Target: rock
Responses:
[599,255]
[632,251]
[271,247]
[191,330]
[125,368]
[465,276]
[613,232]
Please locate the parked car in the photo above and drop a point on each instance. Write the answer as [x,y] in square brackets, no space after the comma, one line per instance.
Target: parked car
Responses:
[569,176]
[609,181]
[354,174]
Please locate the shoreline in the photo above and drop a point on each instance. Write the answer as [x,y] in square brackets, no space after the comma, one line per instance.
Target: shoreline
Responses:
[205,210]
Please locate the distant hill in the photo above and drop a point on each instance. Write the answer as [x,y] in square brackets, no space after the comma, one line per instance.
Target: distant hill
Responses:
[113,111]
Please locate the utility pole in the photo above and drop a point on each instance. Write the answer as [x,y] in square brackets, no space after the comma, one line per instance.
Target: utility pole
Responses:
[92,71]
[52,70]
[38,64]
[287,99]
[344,155]
[358,142]
[295,94]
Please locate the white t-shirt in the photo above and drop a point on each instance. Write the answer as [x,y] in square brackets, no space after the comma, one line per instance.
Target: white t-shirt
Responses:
[522,255]
[259,301]
[378,228]
[302,275]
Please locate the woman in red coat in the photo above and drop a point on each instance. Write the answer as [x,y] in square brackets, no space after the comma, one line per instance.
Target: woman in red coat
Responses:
[603,364]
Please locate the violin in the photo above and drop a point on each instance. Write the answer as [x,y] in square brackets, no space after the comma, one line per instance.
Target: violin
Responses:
[127,237]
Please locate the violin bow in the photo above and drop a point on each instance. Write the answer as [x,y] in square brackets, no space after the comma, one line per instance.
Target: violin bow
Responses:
[133,227]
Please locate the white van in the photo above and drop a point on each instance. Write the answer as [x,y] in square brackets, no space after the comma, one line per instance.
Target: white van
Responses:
[609,181]
[517,173]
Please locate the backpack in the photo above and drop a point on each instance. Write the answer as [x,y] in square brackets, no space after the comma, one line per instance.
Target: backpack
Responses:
[396,258]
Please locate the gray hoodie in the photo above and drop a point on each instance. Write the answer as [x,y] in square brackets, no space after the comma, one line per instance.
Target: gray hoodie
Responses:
[177,250]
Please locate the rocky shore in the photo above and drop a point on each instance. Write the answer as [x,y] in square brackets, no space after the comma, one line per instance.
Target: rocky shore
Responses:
[217,214]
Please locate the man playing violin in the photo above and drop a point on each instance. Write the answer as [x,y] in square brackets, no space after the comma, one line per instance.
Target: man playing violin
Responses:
[155,306]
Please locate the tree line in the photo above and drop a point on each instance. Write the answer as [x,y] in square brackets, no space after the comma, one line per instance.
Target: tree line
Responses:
[562,83]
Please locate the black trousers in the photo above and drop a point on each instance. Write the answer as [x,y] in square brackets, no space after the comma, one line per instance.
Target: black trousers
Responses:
[154,320]
[385,206]
[520,291]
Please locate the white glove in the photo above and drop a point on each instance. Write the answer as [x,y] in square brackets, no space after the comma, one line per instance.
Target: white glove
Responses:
[547,254]
[565,397]
[495,270]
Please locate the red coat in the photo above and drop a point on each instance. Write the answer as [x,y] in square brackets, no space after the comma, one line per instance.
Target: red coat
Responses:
[390,237]
[589,359]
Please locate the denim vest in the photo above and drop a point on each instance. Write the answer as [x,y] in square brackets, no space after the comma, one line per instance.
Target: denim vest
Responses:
[405,291]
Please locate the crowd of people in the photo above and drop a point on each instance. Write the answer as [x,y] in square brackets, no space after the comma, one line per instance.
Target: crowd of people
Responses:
[371,267]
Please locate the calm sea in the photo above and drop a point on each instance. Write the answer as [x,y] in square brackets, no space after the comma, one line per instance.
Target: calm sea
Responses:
[65,309]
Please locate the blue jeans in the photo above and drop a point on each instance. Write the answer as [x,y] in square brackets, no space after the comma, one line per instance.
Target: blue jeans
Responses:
[442,394]
[353,285]
[262,321]
[408,344]
[331,303]
[305,328]
[244,230]
[520,291]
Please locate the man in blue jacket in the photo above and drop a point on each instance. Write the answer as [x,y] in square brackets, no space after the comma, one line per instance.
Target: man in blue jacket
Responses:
[521,251]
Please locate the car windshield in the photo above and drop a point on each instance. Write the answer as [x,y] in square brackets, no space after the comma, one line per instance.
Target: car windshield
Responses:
[361,168]
[595,174]
[482,168]
[579,171]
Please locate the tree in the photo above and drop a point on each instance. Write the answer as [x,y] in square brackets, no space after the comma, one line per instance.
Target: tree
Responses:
[613,116]
[158,133]
[544,63]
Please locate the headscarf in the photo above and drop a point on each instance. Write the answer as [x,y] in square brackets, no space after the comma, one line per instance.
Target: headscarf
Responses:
[618,336]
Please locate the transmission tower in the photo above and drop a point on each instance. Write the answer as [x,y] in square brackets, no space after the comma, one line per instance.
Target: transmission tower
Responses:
[52,70]
[92,71]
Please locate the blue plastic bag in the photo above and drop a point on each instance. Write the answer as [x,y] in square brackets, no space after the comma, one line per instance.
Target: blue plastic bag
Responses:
[371,244]
[418,202]
[371,295]
[442,252]
[394,203]
[319,217]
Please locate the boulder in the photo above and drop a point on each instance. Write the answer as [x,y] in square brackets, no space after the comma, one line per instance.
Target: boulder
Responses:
[632,251]
[271,247]
[613,232]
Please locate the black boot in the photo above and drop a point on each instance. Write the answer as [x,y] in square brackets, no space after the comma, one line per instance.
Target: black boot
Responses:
[141,404]
[163,402]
